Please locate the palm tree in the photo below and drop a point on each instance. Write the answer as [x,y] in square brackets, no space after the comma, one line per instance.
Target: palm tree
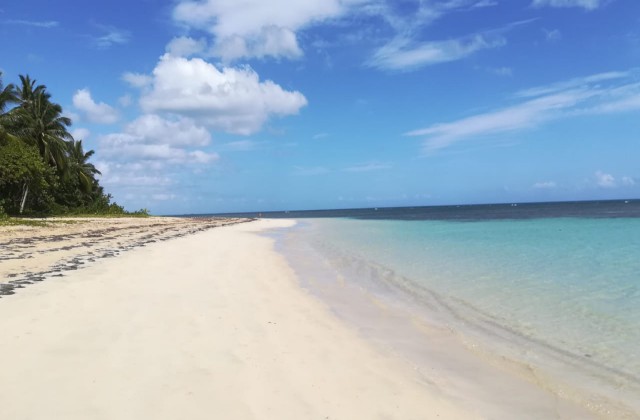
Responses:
[40,122]
[80,167]
[7,97]
[28,90]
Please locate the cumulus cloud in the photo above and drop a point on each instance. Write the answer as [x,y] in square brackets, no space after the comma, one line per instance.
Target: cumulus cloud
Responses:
[137,80]
[184,46]
[229,99]
[152,138]
[605,180]
[402,53]
[146,158]
[100,113]
[80,133]
[599,94]
[585,4]
[256,28]
[179,132]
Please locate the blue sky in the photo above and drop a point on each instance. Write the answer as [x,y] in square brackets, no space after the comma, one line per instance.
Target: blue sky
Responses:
[199,106]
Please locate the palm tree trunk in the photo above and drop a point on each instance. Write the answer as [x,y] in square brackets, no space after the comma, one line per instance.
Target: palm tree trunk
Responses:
[25,191]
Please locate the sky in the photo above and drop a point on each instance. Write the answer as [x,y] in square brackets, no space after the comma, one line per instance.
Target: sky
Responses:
[206,106]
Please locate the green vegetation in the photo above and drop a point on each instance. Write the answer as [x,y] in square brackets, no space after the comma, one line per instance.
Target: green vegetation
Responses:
[43,170]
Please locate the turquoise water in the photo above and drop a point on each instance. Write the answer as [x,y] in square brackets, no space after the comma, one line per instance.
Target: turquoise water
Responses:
[568,286]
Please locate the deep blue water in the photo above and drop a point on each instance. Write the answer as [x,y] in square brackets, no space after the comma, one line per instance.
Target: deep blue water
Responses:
[580,209]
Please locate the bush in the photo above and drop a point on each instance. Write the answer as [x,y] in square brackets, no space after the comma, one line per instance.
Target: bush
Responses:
[3,214]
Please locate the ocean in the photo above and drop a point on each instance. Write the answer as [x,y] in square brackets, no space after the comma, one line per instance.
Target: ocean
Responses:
[552,287]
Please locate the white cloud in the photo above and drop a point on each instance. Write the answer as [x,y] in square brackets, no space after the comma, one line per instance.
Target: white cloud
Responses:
[128,174]
[137,80]
[179,132]
[184,46]
[545,185]
[593,95]
[256,28]
[153,139]
[142,156]
[271,41]
[402,53]
[229,99]
[578,82]
[605,180]
[100,113]
[80,133]
[585,4]
[484,3]
[525,115]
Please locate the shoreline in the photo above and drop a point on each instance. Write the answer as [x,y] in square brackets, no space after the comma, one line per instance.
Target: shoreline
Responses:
[212,323]
[416,324]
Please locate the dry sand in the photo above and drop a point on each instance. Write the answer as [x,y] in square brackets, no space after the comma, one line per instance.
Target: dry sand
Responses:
[211,325]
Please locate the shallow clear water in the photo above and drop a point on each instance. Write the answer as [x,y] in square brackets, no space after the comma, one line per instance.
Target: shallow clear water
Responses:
[567,285]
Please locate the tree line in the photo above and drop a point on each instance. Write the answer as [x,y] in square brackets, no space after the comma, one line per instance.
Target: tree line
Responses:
[43,169]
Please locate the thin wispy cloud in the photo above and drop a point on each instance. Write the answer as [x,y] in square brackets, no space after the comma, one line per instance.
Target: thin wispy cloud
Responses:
[574,83]
[585,4]
[111,36]
[368,167]
[47,24]
[552,35]
[544,185]
[404,54]
[577,97]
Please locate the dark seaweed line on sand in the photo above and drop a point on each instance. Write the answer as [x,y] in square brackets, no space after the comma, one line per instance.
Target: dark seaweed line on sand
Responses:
[21,281]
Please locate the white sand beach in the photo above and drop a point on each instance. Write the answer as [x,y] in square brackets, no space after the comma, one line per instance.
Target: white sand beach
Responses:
[208,325]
